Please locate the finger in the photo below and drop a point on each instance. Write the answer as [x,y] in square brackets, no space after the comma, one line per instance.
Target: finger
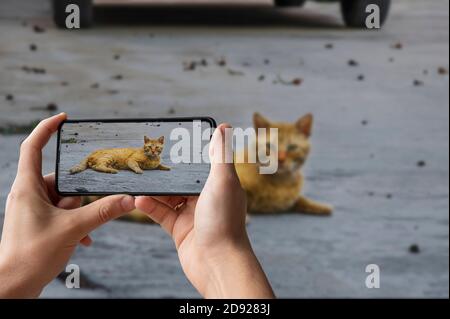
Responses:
[171,201]
[49,181]
[86,241]
[221,154]
[30,160]
[69,202]
[159,212]
[103,210]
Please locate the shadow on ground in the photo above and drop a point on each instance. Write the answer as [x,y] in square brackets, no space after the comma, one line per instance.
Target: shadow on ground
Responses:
[213,16]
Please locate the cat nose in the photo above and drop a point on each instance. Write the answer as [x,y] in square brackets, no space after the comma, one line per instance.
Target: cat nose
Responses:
[281,157]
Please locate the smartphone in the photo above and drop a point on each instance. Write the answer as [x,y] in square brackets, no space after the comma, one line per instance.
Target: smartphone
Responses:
[164,156]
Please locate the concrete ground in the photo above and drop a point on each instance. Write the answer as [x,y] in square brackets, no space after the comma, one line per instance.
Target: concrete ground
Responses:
[381,150]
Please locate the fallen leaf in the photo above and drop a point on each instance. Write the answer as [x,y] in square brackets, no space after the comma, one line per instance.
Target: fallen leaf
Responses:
[235,72]
[442,70]
[295,81]
[38,29]
[221,62]
[49,107]
[414,249]
[189,66]
[352,62]
[36,70]
[397,46]
[421,163]
[52,107]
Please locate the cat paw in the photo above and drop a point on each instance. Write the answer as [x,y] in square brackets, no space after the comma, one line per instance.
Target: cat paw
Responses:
[324,210]
[74,170]
[327,210]
[139,172]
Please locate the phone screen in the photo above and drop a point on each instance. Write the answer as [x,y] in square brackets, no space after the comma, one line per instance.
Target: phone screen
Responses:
[138,157]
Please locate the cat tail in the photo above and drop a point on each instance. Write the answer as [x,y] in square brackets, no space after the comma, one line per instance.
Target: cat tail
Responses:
[80,167]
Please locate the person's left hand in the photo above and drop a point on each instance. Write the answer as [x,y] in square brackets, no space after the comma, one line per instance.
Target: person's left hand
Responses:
[41,229]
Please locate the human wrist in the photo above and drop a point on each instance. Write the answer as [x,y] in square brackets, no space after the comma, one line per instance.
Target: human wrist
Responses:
[16,281]
[236,273]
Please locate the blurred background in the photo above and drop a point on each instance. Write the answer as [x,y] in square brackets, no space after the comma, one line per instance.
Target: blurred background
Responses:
[380,141]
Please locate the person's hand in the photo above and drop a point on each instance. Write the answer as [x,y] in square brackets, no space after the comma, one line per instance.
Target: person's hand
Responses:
[41,230]
[210,234]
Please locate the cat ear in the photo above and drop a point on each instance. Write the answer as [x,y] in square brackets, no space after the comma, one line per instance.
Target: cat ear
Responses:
[260,121]
[161,139]
[304,124]
[146,139]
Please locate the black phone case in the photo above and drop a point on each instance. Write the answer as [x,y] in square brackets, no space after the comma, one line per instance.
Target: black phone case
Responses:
[210,120]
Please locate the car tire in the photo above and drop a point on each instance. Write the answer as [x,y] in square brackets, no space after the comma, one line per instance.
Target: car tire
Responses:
[289,3]
[354,11]
[86,12]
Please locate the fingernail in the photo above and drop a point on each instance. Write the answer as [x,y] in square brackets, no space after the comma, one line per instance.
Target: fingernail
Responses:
[223,127]
[128,203]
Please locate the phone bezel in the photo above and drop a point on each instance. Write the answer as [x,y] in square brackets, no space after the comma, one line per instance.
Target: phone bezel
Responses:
[210,120]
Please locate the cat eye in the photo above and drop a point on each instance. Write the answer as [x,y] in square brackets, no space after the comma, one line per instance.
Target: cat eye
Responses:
[292,147]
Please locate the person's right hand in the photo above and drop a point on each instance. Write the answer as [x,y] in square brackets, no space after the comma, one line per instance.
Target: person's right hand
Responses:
[210,234]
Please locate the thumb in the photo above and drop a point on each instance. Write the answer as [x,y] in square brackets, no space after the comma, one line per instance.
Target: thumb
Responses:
[221,153]
[103,210]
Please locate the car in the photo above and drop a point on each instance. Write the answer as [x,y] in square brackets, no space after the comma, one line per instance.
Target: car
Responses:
[353,11]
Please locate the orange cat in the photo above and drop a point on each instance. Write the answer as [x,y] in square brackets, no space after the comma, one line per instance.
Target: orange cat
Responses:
[280,192]
[135,159]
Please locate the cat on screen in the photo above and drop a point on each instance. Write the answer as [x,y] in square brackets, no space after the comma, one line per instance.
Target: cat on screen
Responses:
[137,160]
